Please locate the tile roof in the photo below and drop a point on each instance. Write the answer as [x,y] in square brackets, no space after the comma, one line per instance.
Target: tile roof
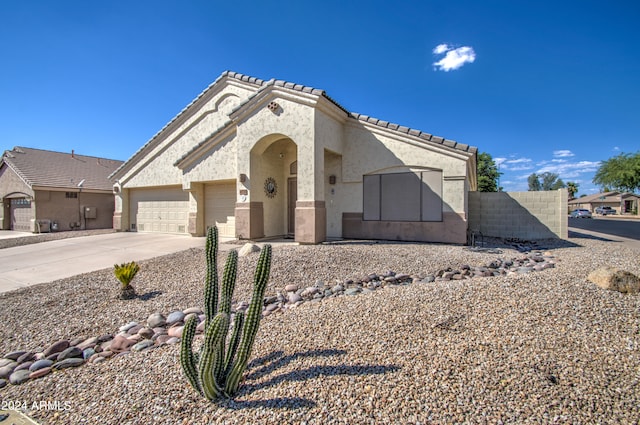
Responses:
[262,85]
[44,168]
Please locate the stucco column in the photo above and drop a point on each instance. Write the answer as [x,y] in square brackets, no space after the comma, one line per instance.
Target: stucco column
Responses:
[311,222]
[196,209]
[249,220]
[121,210]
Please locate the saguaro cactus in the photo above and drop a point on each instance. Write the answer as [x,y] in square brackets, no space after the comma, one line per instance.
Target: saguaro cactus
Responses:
[218,367]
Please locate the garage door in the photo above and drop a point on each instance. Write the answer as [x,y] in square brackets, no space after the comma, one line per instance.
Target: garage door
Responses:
[21,214]
[219,207]
[159,210]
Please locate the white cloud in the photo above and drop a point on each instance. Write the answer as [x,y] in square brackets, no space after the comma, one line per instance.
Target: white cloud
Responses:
[440,49]
[567,170]
[563,153]
[453,58]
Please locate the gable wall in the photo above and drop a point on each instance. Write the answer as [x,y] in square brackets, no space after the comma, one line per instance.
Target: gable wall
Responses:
[369,151]
[11,182]
[157,168]
[262,127]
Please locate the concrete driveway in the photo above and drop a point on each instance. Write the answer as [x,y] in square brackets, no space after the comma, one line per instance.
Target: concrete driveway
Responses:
[28,265]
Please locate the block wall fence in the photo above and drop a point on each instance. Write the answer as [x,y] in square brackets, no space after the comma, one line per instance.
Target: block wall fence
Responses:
[522,215]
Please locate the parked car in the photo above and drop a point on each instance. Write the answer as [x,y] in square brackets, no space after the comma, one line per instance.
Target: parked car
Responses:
[580,213]
[605,211]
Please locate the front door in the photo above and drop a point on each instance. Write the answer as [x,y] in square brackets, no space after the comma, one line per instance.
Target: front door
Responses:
[292,197]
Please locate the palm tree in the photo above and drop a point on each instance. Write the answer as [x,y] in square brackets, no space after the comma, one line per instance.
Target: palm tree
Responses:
[572,188]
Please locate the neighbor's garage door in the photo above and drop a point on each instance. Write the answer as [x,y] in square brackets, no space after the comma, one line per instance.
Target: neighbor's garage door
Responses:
[164,210]
[220,203]
[21,214]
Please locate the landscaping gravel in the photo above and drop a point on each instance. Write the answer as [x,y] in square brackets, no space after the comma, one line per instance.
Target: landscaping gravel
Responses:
[540,347]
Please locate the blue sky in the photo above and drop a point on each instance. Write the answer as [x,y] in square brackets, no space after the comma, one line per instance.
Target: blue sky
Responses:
[541,86]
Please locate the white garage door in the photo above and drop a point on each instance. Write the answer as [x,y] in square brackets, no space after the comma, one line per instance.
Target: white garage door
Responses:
[21,214]
[219,207]
[159,210]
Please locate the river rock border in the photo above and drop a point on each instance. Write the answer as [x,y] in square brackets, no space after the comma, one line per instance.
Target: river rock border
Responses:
[20,366]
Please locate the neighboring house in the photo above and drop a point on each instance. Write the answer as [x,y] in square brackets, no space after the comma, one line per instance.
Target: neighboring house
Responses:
[628,204]
[43,190]
[272,158]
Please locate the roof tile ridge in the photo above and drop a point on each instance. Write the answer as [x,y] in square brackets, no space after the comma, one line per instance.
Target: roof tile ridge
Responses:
[413,132]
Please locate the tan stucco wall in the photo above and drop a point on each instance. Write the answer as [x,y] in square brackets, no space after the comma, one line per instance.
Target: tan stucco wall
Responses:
[55,206]
[158,169]
[524,215]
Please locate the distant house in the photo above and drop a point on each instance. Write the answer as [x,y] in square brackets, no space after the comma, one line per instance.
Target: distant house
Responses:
[44,190]
[623,203]
[272,158]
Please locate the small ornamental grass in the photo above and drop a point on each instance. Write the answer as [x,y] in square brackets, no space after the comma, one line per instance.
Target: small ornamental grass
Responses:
[125,273]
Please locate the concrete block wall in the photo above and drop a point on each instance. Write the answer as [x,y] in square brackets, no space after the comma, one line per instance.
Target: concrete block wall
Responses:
[522,215]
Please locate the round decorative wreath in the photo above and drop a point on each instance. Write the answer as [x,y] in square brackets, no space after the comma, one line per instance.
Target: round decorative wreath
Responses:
[270,187]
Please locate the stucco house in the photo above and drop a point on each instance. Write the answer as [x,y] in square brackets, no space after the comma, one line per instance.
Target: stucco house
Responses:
[621,202]
[45,191]
[271,158]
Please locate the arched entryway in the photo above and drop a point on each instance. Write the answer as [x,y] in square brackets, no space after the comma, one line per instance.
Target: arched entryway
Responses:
[273,183]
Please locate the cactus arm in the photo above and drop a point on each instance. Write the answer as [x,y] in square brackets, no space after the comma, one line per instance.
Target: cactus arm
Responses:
[212,356]
[211,282]
[238,321]
[252,320]
[187,357]
[229,282]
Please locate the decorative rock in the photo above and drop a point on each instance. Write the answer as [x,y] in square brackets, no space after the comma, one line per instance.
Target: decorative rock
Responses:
[173,340]
[615,280]
[200,327]
[19,377]
[88,353]
[70,362]
[175,331]
[40,364]
[3,383]
[4,362]
[156,320]
[40,372]
[309,292]
[98,359]
[175,317]
[293,297]
[23,366]
[14,355]
[146,333]
[352,291]
[247,249]
[88,343]
[291,288]
[70,352]
[193,310]
[76,341]
[142,345]
[56,347]
[26,357]
[105,338]
[7,370]
[125,328]
[134,330]
[52,357]
[120,344]
[337,288]
[162,339]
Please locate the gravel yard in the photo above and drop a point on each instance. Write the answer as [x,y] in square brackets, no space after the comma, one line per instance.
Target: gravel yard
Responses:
[542,347]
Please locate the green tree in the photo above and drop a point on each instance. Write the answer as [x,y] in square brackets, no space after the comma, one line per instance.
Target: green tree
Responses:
[572,188]
[621,172]
[545,181]
[488,173]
